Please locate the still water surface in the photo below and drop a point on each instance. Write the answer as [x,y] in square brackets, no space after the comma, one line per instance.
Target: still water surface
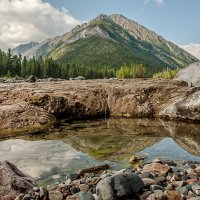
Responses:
[74,145]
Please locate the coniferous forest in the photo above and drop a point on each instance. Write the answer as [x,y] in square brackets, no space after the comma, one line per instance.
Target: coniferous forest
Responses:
[13,65]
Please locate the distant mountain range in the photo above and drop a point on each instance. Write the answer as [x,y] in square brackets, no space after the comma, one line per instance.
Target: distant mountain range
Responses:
[23,48]
[110,41]
[193,49]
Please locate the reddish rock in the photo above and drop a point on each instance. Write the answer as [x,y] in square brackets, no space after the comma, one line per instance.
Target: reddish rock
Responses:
[156,168]
[190,181]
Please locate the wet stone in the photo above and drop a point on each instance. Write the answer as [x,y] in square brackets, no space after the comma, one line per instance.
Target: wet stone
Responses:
[155,187]
[182,190]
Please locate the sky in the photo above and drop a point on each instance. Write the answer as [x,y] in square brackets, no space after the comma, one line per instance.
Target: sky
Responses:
[22,21]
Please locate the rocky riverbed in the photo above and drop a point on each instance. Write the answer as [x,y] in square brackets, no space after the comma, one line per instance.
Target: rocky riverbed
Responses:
[157,180]
[30,107]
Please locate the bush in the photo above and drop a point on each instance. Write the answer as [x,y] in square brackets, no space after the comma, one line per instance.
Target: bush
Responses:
[167,74]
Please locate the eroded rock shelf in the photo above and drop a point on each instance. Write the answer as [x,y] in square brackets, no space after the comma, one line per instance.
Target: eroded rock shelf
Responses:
[25,107]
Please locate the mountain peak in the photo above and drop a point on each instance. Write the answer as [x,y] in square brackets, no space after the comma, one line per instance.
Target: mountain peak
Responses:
[112,40]
[101,16]
[117,16]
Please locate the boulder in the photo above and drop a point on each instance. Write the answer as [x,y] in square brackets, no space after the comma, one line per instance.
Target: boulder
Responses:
[120,186]
[13,181]
[31,79]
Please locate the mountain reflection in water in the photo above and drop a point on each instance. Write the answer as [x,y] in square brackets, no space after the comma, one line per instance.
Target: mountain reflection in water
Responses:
[75,145]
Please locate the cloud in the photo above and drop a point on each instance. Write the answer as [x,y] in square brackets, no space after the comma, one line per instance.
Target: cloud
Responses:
[194,49]
[159,3]
[23,21]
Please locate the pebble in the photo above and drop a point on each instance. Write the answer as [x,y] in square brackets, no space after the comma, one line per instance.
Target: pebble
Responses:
[158,180]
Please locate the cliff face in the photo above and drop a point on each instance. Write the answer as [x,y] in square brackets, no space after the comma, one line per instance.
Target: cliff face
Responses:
[30,105]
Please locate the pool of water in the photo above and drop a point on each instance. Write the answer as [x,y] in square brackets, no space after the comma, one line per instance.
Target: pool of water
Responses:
[74,145]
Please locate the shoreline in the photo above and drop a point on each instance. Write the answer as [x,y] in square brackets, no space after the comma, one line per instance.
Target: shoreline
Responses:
[160,179]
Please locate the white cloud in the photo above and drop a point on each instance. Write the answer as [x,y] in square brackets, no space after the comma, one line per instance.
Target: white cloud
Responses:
[23,21]
[158,2]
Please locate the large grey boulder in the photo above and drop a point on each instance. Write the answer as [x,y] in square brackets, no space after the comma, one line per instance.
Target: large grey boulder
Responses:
[190,74]
[120,186]
[185,109]
[13,181]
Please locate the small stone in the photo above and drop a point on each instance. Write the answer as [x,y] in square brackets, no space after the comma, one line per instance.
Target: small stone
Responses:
[148,181]
[158,195]
[190,170]
[196,189]
[169,187]
[190,195]
[74,190]
[172,194]
[68,181]
[84,187]
[144,195]
[155,187]
[182,190]
[175,177]
[157,168]
[190,181]
[55,195]
[85,196]
[184,178]
[51,187]
[159,179]
[147,175]
[36,189]
[62,185]
[177,183]
[82,181]
[77,183]
[193,176]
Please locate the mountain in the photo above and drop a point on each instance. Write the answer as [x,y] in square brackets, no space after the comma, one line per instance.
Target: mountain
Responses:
[112,41]
[23,48]
[193,49]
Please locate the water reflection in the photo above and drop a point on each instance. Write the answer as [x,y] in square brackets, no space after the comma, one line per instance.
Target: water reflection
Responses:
[77,144]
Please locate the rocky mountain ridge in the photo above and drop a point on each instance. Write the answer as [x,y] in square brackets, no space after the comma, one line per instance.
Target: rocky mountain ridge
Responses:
[113,36]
